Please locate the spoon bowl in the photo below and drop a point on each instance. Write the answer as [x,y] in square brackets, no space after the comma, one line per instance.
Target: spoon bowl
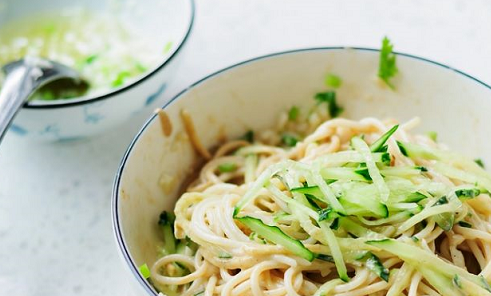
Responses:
[23,78]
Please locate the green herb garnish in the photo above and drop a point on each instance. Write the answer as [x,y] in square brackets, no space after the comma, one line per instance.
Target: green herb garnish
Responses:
[144,271]
[140,67]
[248,136]
[227,167]
[333,81]
[329,97]
[224,255]
[432,135]
[465,224]
[479,162]
[387,64]
[167,47]
[293,113]
[289,140]
[456,281]
[90,59]
[120,78]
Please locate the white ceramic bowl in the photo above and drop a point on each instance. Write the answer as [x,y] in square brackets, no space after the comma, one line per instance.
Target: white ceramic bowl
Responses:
[166,20]
[250,95]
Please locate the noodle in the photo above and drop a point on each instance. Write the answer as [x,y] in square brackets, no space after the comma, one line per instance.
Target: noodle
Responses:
[432,206]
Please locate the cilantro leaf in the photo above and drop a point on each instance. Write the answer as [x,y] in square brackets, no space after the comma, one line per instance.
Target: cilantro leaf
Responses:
[387,64]
[479,162]
[293,113]
[289,140]
[248,136]
[329,97]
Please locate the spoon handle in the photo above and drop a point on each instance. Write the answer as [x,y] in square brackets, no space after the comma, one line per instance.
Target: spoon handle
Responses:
[17,87]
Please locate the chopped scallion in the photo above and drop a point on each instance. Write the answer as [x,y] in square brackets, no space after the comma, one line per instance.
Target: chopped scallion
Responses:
[144,271]
[227,167]
[333,81]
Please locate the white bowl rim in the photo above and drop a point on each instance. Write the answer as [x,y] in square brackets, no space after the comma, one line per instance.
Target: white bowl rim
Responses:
[90,99]
[117,180]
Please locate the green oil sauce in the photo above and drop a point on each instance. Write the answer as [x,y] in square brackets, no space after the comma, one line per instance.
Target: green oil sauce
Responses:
[104,49]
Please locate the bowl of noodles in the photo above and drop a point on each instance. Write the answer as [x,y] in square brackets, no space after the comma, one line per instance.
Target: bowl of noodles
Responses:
[310,172]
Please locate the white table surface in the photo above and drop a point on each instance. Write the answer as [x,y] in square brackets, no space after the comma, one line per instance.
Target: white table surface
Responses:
[55,223]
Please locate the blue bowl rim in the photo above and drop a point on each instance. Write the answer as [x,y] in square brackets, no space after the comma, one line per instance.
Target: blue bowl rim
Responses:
[117,180]
[70,103]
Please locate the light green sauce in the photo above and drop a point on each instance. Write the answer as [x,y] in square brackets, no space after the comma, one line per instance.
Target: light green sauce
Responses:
[107,52]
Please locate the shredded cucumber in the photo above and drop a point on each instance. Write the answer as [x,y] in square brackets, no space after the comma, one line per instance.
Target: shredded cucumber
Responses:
[378,146]
[428,212]
[377,178]
[277,236]
[438,272]
[373,263]
[347,199]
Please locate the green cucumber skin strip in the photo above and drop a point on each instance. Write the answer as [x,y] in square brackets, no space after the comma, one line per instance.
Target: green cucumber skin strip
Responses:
[340,158]
[312,190]
[416,151]
[276,235]
[378,144]
[166,221]
[343,174]
[373,263]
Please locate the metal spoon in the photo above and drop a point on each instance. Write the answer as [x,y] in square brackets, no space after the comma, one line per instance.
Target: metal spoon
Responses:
[22,79]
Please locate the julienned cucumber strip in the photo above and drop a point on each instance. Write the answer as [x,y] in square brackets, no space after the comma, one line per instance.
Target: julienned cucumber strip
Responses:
[365,197]
[343,157]
[415,197]
[356,201]
[373,263]
[440,282]
[332,242]
[327,288]
[325,257]
[277,236]
[166,223]
[377,178]
[416,151]
[444,220]
[377,145]
[263,179]
[311,190]
[426,213]
[327,193]
[403,276]
[343,173]
[403,172]
[427,262]
[256,187]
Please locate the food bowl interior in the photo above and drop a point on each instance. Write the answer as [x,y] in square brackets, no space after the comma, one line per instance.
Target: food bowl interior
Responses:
[163,23]
[253,94]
